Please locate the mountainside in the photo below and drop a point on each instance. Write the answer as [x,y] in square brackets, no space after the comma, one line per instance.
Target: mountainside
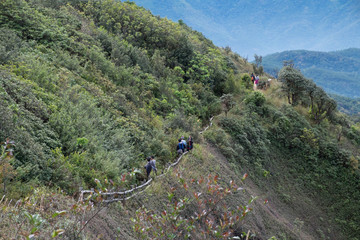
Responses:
[264,27]
[89,89]
[350,106]
[337,72]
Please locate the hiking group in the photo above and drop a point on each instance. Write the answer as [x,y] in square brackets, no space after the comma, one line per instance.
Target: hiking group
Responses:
[255,80]
[184,146]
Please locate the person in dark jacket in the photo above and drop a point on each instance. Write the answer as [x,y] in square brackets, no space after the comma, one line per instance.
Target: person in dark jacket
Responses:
[190,143]
[153,164]
[252,78]
[148,167]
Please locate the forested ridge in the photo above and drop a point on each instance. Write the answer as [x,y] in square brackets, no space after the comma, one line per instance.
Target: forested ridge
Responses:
[89,89]
[337,71]
[350,106]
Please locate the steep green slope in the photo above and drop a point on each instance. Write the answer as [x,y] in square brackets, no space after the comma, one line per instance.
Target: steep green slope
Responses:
[309,179]
[302,163]
[90,88]
[92,91]
[337,72]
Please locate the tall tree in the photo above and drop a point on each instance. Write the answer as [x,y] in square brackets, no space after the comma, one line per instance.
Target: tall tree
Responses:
[258,60]
[322,106]
[294,84]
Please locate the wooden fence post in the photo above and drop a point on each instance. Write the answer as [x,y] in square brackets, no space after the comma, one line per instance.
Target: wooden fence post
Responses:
[81,196]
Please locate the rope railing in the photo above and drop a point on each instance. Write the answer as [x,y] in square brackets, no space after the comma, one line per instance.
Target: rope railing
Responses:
[109,197]
[207,126]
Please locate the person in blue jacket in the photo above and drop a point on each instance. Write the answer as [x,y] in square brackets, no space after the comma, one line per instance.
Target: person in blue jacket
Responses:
[180,147]
[184,142]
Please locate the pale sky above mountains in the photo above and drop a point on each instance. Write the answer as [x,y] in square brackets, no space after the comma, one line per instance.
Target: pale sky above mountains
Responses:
[267,26]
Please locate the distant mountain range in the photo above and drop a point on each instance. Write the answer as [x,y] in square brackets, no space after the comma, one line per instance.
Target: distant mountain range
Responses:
[267,26]
[337,72]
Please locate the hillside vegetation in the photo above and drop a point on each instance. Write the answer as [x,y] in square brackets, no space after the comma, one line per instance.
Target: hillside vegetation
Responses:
[350,106]
[337,72]
[88,89]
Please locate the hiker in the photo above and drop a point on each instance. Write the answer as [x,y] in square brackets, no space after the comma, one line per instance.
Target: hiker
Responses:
[256,82]
[180,147]
[252,78]
[153,164]
[190,143]
[184,142]
[148,167]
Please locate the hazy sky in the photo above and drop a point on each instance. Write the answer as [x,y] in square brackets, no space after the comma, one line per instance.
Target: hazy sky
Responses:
[266,26]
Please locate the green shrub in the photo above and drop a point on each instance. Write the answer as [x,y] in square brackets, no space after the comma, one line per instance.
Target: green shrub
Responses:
[10,45]
[256,99]
[246,80]
[255,102]
[249,135]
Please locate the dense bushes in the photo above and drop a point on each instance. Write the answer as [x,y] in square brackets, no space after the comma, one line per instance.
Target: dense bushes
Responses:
[109,72]
[88,91]
[24,118]
[10,45]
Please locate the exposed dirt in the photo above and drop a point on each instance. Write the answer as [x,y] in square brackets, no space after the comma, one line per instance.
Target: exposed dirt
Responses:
[276,218]
[299,219]
[265,218]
